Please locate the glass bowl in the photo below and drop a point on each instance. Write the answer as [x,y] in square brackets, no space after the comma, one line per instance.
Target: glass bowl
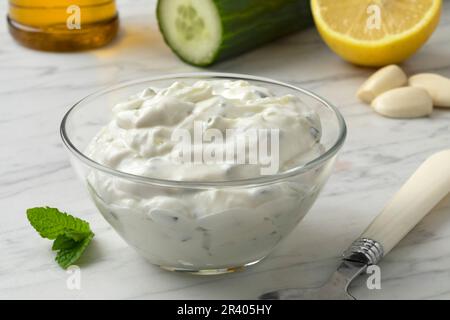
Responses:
[252,216]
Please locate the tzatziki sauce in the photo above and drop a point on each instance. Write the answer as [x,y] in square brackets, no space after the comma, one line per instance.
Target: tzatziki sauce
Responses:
[205,228]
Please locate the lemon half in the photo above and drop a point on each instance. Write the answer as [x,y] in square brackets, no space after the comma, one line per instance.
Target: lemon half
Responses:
[376,32]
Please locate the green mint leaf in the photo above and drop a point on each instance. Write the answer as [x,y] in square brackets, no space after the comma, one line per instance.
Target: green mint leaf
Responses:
[67,257]
[63,242]
[50,223]
[71,235]
[76,236]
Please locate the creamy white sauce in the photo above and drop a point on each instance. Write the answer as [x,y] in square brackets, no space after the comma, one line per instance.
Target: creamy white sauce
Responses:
[202,228]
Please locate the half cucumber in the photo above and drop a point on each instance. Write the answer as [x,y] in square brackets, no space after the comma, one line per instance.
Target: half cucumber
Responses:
[202,32]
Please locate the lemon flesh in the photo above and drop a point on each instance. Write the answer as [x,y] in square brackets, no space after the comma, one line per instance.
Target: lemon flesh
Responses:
[376,32]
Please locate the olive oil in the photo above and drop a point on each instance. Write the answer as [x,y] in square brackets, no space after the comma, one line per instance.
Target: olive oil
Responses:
[63,25]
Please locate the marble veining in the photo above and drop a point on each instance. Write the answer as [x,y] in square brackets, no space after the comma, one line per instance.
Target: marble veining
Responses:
[37,88]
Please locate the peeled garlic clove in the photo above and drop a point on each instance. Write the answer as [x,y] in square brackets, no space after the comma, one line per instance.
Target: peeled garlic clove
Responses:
[385,79]
[438,87]
[407,102]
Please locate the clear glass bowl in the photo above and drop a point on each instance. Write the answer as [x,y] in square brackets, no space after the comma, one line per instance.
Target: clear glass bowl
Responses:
[236,233]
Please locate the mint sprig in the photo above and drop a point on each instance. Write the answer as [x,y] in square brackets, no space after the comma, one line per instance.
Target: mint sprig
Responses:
[67,256]
[71,235]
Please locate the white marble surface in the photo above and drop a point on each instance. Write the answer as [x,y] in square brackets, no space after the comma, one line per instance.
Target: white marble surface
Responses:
[37,88]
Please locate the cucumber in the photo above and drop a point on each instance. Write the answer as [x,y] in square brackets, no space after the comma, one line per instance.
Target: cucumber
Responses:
[202,32]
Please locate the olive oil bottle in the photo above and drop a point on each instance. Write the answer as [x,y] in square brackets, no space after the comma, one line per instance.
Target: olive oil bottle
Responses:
[63,25]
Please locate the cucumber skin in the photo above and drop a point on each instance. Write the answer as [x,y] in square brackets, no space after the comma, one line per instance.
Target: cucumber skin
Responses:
[247,24]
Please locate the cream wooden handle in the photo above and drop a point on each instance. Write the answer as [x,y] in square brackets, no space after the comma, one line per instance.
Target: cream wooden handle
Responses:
[426,187]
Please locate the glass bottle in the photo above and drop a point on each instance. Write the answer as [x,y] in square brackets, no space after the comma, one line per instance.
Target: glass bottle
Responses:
[63,25]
